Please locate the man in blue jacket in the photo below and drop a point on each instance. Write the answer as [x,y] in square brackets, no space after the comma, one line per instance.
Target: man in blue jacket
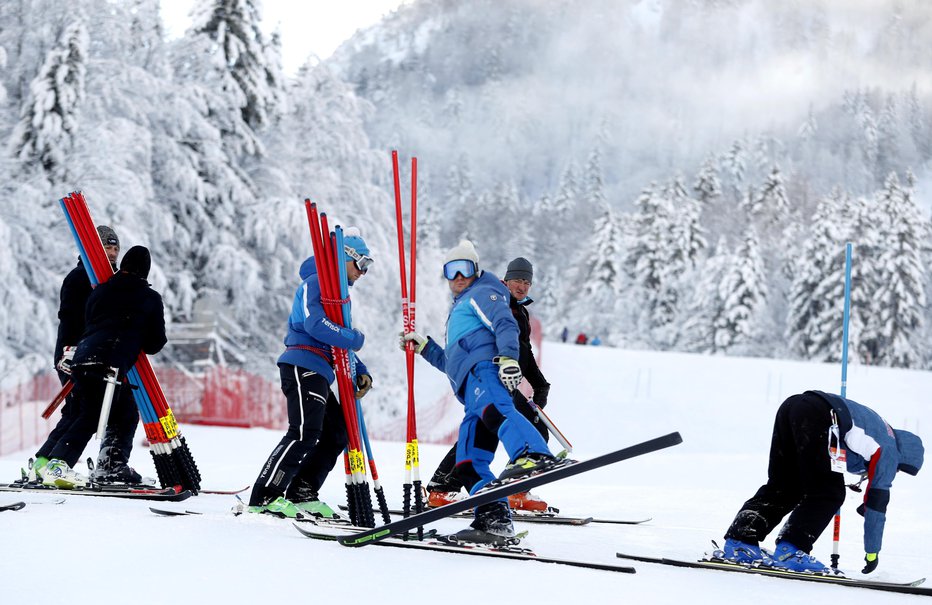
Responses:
[480,360]
[294,472]
[816,437]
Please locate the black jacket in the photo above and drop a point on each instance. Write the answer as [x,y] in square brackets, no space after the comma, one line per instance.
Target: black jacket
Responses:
[74,292]
[529,368]
[124,316]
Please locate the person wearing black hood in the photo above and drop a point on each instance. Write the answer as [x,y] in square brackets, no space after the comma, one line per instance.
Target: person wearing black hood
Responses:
[124,317]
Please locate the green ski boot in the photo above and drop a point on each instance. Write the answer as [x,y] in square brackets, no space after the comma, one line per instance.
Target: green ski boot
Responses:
[278,507]
[316,508]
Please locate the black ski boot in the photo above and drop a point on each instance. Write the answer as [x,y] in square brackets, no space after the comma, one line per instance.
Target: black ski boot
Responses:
[113,468]
[492,526]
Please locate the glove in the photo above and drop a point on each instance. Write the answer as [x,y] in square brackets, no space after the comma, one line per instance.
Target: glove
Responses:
[860,510]
[419,341]
[64,364]
[540,396]
[363,384]
[872,561]
[509,372]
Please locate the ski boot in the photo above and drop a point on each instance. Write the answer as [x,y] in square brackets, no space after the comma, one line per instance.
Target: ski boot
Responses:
[30,475]
[743,553]
[316,508]
[120,475]
[527,501]
[304,496]
[279,507]
[530,464]
[58,474]
[436,498]
[492,526]
[787,556]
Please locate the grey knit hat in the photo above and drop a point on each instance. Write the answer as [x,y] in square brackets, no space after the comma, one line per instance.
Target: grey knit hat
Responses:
[108,236]
[520,268]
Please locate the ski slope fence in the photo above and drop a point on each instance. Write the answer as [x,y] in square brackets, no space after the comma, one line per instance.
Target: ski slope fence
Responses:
[219,396]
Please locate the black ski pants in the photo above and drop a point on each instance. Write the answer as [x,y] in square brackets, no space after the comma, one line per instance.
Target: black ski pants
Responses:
[445,480]
[315,438]
[800,482]
[74,431]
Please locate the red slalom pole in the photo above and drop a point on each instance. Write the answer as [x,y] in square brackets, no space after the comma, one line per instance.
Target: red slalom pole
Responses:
[66,388]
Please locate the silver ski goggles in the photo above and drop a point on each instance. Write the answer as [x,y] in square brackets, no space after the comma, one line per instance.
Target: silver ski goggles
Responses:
[464,267]
[361,261]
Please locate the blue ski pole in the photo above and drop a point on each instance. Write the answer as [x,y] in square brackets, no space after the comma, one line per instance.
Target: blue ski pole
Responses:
[836,534]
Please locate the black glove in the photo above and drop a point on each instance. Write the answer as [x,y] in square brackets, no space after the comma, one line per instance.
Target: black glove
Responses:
[540,396]
[872,560]
[363,384]
[860,510]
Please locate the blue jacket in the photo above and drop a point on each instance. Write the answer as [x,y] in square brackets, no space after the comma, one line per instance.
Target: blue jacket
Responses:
[874,449]
[310,334]
[479,327]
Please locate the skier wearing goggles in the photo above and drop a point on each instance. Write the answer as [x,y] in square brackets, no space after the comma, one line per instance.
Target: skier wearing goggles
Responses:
[480,360]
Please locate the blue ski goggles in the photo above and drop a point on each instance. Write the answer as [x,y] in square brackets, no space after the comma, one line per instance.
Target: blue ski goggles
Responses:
[463,267]
[361,261]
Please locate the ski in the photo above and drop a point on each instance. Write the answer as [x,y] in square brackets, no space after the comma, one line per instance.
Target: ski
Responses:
[225,492]
[505,552]
[339,523]
[497,490]
[551,518]
[906,587]
[173,513]
[13,506]
[169,494]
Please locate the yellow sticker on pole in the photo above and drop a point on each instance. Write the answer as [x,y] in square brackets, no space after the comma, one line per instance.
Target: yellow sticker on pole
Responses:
[415,456]
[169,425]
[357,462]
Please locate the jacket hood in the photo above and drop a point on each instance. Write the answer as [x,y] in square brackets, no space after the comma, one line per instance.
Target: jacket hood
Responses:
[308,268]
[911,451]
[137,261]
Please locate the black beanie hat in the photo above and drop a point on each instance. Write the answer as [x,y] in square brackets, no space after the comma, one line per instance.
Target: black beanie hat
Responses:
[520,268]
[137,261]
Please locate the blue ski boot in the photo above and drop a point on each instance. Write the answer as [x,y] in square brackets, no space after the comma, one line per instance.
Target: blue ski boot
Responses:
[788,557]
[743,553]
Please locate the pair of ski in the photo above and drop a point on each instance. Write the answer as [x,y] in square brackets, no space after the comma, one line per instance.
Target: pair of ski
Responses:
[722,565]
[386,535]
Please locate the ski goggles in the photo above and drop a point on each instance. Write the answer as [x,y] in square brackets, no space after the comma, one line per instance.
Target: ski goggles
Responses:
[463,267]
[361,261]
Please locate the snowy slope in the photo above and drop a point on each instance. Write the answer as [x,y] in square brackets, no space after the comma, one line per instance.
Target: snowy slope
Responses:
[602,398]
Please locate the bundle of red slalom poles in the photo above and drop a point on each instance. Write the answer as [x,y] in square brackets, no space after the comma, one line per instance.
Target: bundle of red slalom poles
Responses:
[329,258]
[408,307]
[173,461]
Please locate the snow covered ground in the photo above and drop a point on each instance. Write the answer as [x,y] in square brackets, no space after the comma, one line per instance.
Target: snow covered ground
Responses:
[94,550]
